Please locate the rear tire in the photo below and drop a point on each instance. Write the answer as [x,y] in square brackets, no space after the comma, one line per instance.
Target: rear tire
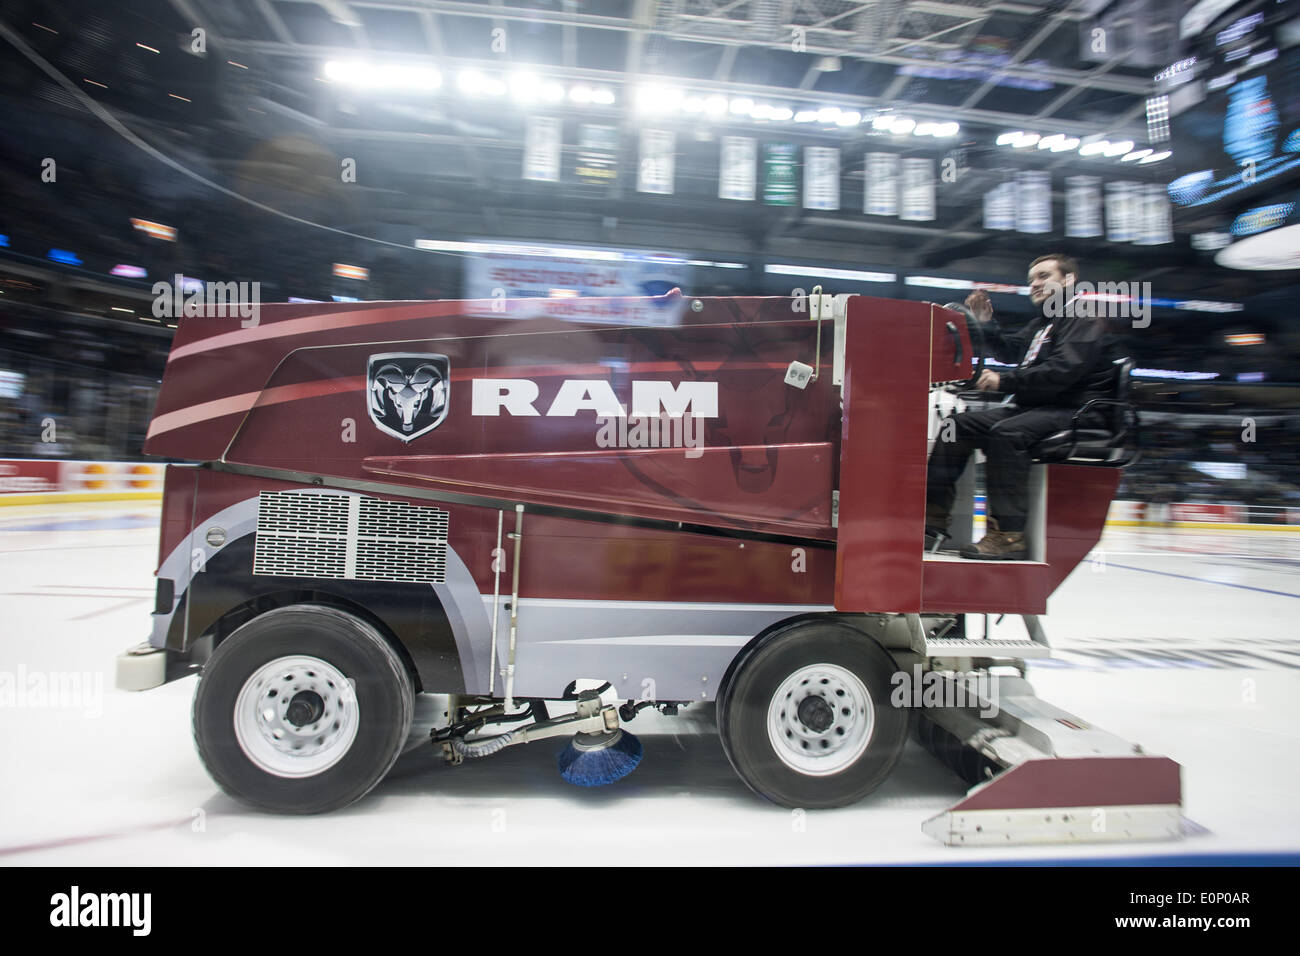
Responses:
[805,715]
[303,709]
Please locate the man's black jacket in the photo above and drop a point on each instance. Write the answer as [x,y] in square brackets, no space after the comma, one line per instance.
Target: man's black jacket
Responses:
[1075,360]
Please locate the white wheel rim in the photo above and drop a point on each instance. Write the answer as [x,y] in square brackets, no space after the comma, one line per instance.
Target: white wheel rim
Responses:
[820,720]
[296,716]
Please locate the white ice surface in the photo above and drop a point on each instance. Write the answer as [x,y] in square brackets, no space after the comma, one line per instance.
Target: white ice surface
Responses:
[116,780]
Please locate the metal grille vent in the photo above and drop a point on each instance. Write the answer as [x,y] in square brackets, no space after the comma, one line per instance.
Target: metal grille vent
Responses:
[312,535]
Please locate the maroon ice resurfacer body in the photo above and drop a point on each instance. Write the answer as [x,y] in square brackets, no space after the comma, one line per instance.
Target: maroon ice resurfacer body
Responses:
[508,506]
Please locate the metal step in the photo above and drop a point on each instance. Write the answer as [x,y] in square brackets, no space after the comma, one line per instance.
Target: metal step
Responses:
[983,647]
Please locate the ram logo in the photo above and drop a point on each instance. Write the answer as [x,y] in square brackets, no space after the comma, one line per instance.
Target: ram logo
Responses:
[408,392]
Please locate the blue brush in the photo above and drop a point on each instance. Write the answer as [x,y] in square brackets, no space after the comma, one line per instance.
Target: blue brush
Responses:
[593,760]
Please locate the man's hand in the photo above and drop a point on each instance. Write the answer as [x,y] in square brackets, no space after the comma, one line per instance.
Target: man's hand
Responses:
[989,381]
[979,305]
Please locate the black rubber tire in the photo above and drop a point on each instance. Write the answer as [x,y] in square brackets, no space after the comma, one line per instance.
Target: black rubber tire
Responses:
[384,692]
[754,678]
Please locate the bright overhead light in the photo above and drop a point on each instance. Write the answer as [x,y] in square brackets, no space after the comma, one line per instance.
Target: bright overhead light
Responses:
[603,97]
[763,111]
[1009,139]
[715,105]
[474,83]
[693,104]
[552,91]
[1065,145]
[381,76]
[902,125]
[580,94]
[1025,140]
[741,105]
[805,116]
[828,114]
[882,121]
[851,118]
[654,98]
[1155,157]
[1095,147]
[1118,149]
[924,128]
[782,113]
[525,87]
[1047,142]
[1136,154]
[950,128]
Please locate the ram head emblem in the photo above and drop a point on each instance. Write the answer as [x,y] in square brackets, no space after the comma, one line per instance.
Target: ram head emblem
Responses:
[407,393]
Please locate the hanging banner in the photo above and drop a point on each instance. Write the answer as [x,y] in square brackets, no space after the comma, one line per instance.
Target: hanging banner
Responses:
[1033,201]
[737,174]
[613,289]
[821,177]
[1121,211]
[655,172]
[1000,207]
[542,143]
[780,180]
[880,198]
[916,194]
[1082,206]
[597,161]
[1155,224]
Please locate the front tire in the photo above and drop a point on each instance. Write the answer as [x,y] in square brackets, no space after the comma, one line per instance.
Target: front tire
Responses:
[805,715]
[303,709]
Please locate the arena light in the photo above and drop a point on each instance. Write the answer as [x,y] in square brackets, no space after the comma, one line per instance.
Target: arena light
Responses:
[345,271]
[1065,145]
[1009,139]
[1094,148]
[1155,157]
[693,104]
[850,118]
[1048,142]
[882,121]
[476,83]
[155,229]
[741,106]
[715,105]
[1244,338]
[782,113]
[552,91]
[1118,149]
[902,125]
[805,116]
[523,87]
[128,271]
[65,256]
[853,275]
[924,128]
[828,114]
[950,128]
[382,76]
[580,94]
[603,97]
[520,249]
[656,98]
[1135,155]
[762,111]
[1025,141]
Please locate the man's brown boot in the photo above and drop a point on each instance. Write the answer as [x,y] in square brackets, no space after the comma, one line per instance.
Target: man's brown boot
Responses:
[997,545]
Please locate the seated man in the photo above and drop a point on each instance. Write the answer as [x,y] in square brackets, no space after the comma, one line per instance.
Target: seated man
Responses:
[1065,357]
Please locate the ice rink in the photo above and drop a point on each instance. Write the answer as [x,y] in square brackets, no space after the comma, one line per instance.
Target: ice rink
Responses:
[1181,641]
